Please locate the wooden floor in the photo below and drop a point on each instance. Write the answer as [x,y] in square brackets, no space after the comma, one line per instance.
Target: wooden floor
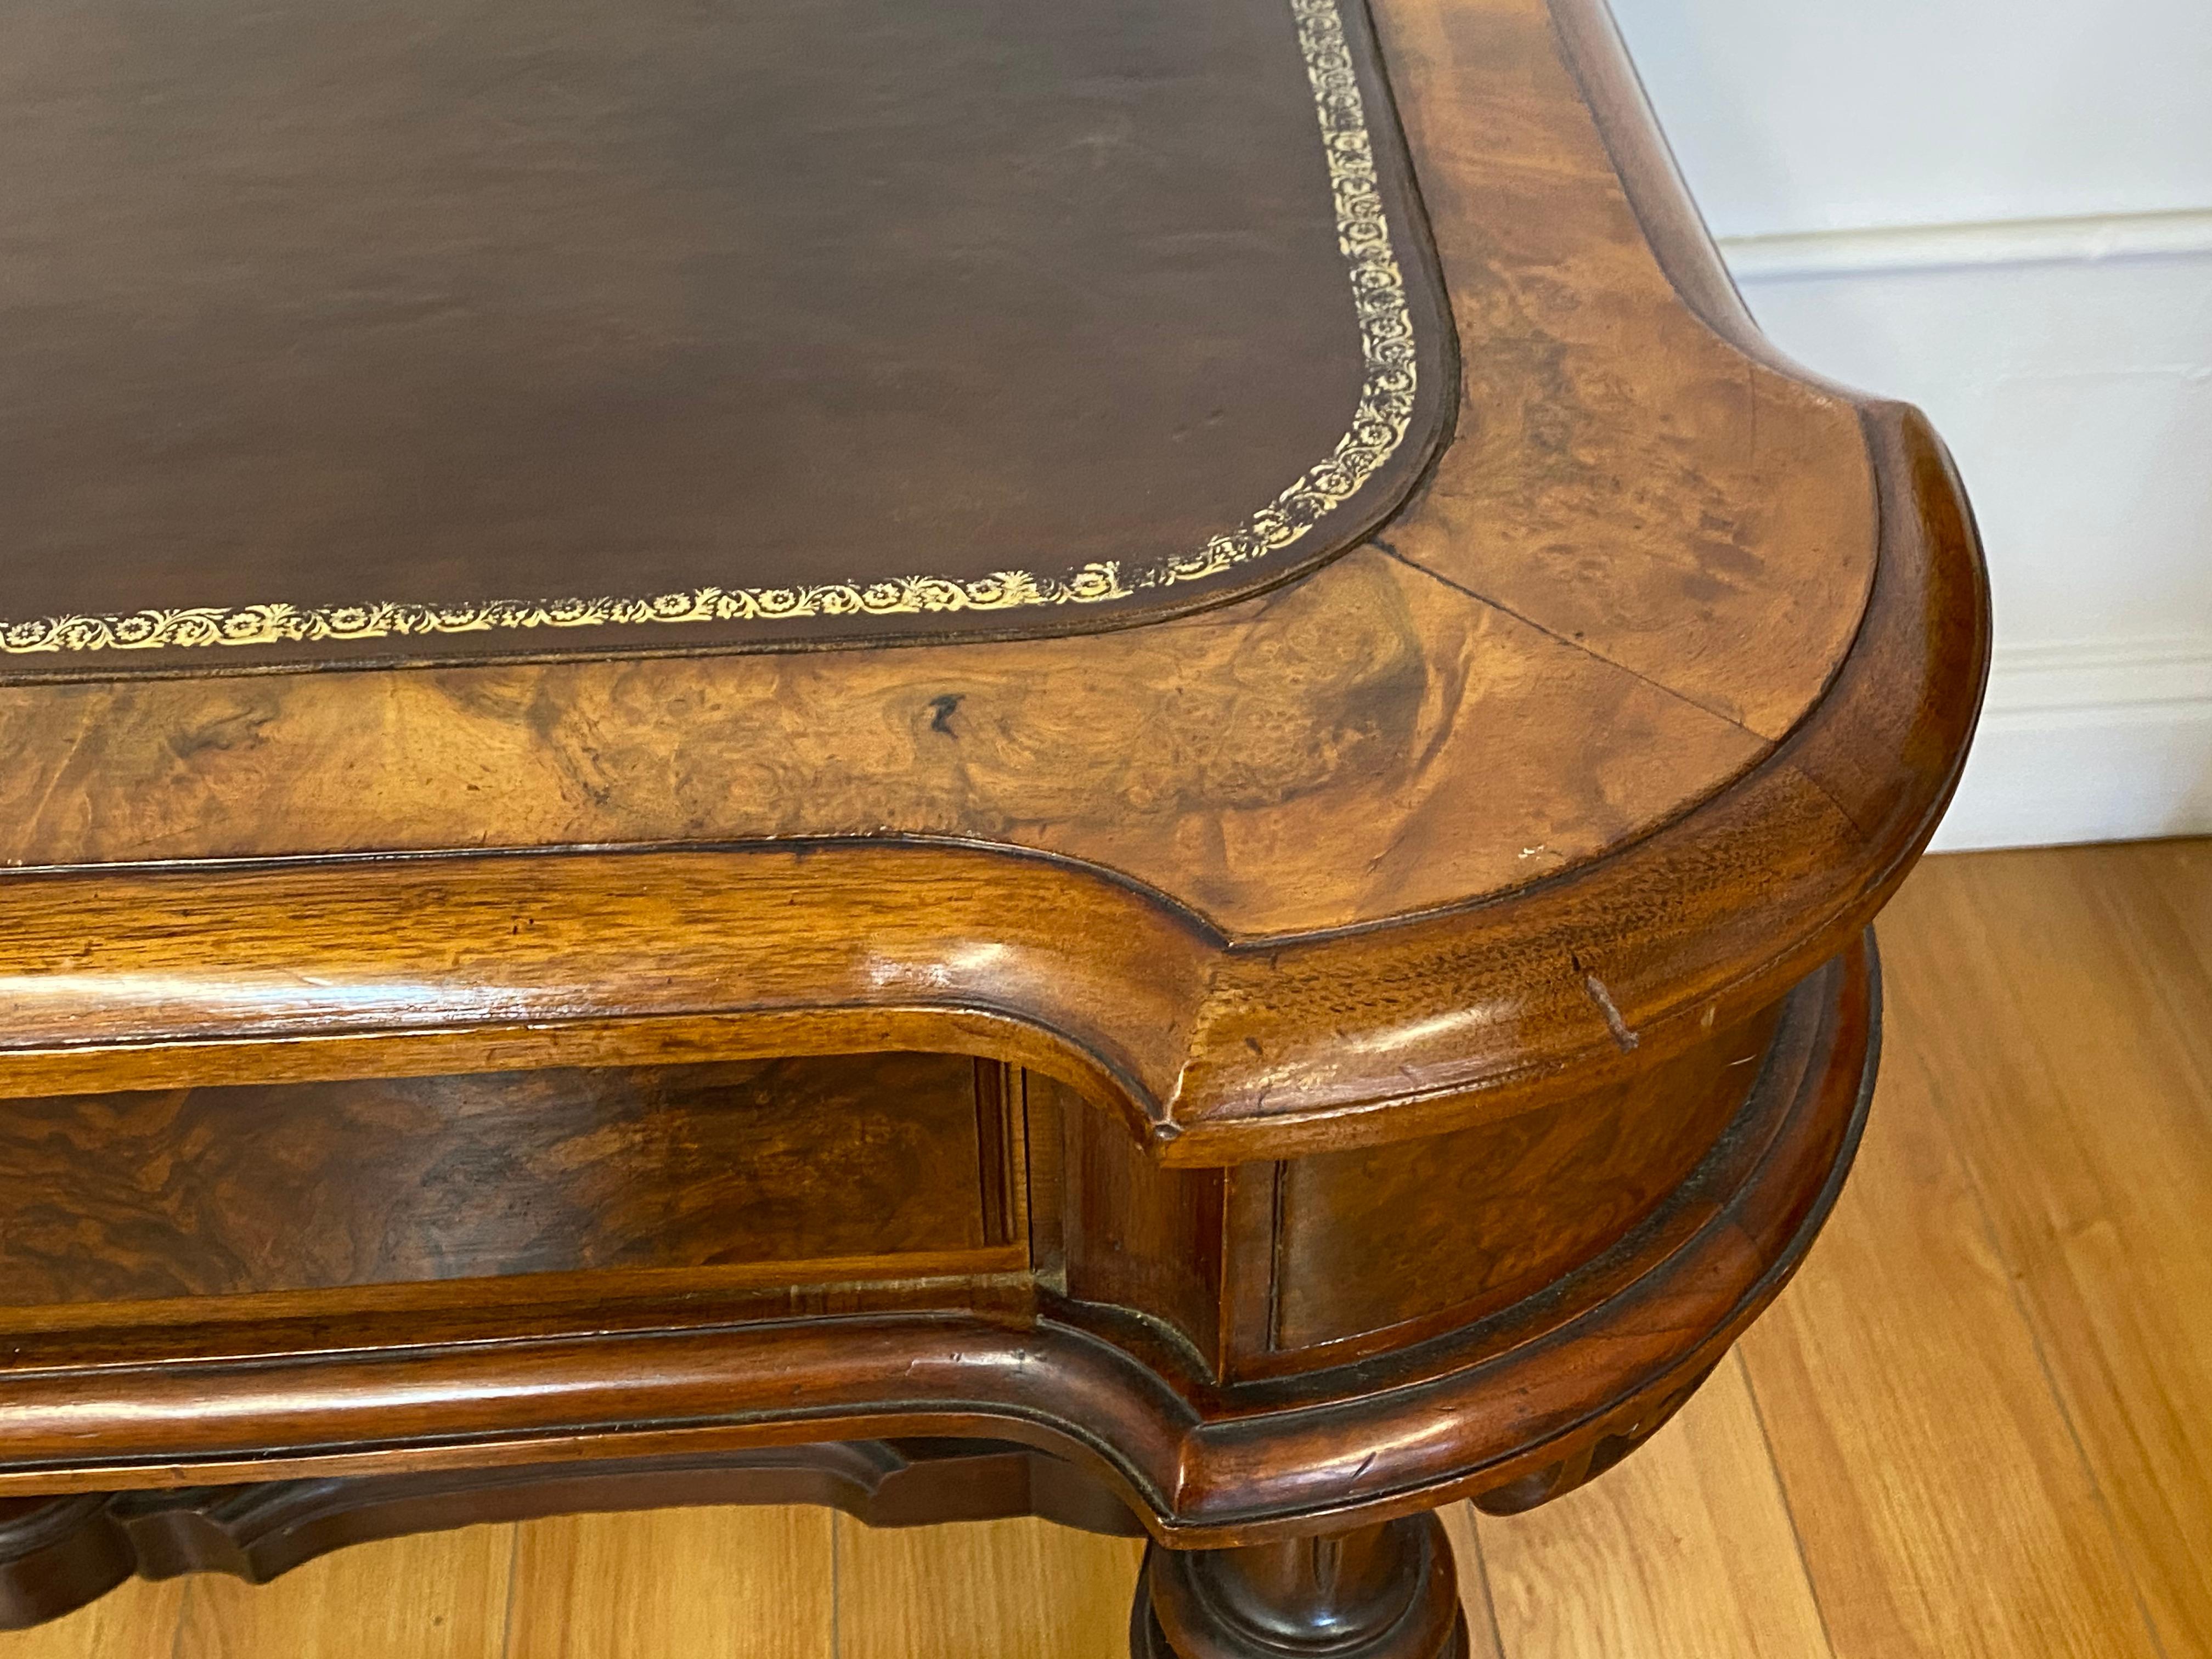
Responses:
[1979,1423]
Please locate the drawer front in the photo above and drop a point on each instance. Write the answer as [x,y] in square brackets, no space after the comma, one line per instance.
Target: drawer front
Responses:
[230,1191]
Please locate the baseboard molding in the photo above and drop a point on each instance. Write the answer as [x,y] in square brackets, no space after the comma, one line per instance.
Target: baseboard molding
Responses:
[2097,741]
[1809,255]
[2096,324]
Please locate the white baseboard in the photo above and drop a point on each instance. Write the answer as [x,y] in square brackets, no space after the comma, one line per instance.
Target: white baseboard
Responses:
[2068,362]
[1812,255]
[2103,741]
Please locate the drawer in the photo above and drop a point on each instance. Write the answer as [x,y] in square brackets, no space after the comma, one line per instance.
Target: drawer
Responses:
[231,1191]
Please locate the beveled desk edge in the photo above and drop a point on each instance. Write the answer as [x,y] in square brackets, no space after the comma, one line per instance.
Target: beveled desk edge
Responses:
[1215,1052]
[1510,1411]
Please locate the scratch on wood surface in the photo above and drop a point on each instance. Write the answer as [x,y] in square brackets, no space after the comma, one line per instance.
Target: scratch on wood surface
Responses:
[1613,1023]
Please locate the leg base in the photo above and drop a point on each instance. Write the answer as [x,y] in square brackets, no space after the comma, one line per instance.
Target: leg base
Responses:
[1382,1592]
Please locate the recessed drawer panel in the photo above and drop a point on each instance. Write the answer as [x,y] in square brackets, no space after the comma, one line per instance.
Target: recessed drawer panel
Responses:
[221,1191]
[1461,1225]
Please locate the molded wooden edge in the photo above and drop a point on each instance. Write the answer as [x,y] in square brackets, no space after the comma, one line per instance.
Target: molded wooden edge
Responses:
[1673,226]
[1576,982]
[1205,1467]
[1213,1051]
[59,1556]
[1216,1053]
[425,965]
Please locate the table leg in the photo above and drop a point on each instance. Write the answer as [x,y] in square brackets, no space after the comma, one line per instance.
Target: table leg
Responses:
[1382,1592]
[56,1554]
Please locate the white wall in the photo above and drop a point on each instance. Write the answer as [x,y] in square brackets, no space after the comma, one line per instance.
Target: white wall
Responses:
[2003,212]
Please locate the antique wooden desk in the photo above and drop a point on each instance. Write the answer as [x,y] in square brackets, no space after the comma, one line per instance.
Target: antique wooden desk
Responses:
[1123,761]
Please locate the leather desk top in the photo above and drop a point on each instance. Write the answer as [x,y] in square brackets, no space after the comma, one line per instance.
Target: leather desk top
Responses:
[415,334]
[1621,716]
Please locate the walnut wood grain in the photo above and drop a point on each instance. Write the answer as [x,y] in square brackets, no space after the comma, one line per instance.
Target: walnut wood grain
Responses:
[1383,1592]
[153,1398]
[1428,836]
[219,1192]
[1383,692]
[1678,509]
[1424,1010]
[1139,1236]
[1219,1051]
[1452,1228]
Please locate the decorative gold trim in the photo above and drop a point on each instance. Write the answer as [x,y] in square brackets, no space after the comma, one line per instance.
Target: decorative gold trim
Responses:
[1378,428]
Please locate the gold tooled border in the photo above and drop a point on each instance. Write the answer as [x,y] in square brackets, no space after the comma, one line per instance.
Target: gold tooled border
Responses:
[1378,428]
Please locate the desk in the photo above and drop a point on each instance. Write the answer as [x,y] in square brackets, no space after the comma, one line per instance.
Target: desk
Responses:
[1121,762]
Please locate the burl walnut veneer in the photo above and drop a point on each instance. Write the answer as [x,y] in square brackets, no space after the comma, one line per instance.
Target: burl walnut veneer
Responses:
[1124,761]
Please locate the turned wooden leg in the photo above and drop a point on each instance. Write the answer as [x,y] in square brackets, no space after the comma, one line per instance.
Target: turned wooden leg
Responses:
[1384,1592]
[56,1554]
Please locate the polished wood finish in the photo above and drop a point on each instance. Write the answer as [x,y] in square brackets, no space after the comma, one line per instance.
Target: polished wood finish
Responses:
[370,1602]
[1691,1549]
[1684,1552]
[997,1587]
[325,1386]
[1383,1592]
[1204,923]
[219,1192]
[1473,1221]
[1284,1067]
[2077,1093]
[1930,1453]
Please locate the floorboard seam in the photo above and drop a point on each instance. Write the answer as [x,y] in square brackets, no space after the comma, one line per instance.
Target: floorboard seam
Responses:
[836,1591]
[1482,1580]
[1789,1508]
[1993,1240]
[513,1576]
[184,1614]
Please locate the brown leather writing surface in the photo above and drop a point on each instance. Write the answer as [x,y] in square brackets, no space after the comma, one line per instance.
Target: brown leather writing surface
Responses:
[1317,1057]
[404,331]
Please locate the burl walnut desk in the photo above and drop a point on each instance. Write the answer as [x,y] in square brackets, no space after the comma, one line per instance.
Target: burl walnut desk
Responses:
[1121,760]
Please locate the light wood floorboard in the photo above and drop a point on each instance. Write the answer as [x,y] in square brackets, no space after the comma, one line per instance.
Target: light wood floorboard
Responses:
[1484,1641]
[1944,1506]
[737,1583]
[134,1621]
[1685,1551]
[2075,1076]
[442,1597]
[987,1587]
[1979,1424]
